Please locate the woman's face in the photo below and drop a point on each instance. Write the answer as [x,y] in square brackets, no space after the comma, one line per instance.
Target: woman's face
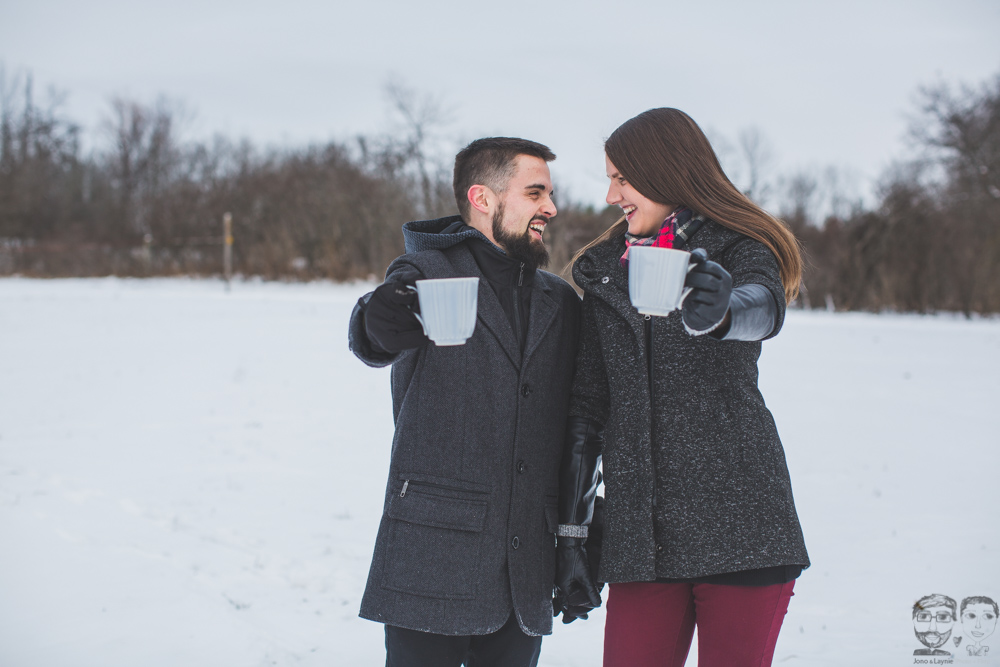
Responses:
[644,215]
[979,621]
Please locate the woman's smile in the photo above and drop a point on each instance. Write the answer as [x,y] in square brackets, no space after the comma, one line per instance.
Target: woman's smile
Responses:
[644,215]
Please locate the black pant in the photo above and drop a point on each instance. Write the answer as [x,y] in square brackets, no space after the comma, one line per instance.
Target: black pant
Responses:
[507,647]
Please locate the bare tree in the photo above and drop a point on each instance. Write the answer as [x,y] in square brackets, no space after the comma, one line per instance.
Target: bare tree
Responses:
[758,157]
[423,115]
[40,172]
[144,157]
[748,163]
[963,128]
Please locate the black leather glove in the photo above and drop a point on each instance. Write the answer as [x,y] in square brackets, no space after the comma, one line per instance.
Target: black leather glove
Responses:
[576,593]
[570,613]
[711,286]
[595,538]
[389,320]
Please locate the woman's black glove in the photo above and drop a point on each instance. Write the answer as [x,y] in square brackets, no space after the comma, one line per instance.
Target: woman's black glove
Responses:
[711,286]
[389,320]
[579,603]
[576,594]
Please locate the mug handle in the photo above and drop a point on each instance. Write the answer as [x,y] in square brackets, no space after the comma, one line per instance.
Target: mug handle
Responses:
[423,326]
[687,290]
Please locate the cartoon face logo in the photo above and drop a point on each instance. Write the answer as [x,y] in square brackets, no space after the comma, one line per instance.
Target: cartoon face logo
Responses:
[979,620]
[933,620]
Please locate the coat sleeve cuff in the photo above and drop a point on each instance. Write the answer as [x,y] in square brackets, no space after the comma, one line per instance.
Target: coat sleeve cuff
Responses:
[570,530]
[695,332]
[358,342]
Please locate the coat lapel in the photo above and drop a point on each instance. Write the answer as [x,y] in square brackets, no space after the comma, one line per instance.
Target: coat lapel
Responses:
[601,275]
[490,313]
[543,313]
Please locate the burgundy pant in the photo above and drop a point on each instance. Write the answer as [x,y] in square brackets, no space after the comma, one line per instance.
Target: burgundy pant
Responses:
[651,624]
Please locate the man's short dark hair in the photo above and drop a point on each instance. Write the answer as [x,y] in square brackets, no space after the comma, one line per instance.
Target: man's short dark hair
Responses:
[936,600]
[491,162]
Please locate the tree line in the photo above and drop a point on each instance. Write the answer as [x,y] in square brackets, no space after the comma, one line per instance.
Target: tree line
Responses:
[932,241]
[145,202]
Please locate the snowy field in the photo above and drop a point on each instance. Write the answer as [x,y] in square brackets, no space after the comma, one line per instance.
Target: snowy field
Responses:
[190,477]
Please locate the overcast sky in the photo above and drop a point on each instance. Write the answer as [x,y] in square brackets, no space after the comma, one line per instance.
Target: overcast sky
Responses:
[825,83]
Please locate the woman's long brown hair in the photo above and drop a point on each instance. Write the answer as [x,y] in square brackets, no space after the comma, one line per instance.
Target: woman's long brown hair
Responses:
[664,155]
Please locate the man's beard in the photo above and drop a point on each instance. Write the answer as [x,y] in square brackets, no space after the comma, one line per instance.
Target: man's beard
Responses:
[933,639]
[520,247]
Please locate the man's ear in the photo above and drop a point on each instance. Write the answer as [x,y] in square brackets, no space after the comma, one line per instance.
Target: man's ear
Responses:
[481,198]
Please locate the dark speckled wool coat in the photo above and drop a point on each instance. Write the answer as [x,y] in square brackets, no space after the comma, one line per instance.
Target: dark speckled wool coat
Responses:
[479,435]
[695,480]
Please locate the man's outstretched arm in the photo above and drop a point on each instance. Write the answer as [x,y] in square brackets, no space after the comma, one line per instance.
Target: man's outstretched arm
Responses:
[383,324]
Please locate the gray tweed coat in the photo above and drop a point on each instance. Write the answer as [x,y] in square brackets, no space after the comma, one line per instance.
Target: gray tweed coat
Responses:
[695,480]
[467,531]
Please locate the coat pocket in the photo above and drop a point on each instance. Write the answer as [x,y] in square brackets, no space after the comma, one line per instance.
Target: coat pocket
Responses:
[435,538]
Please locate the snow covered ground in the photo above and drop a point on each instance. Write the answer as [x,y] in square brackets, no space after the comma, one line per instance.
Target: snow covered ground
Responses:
[194,477]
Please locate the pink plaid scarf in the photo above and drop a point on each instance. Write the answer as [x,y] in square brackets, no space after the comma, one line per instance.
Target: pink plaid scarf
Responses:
[663,238]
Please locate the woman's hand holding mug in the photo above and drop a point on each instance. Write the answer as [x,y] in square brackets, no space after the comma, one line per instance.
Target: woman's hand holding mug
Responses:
[711,287]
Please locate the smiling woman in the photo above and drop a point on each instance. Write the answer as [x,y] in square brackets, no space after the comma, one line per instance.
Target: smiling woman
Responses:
[644,216]
[660,160]
[671,406]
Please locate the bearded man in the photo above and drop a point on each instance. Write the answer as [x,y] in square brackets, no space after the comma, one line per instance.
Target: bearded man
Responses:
[464,560]
[933,621]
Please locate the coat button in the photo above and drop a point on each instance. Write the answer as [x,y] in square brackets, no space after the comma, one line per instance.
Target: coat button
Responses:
[515,542]
[525,389]
[605,280]
[659,548]
[520,466]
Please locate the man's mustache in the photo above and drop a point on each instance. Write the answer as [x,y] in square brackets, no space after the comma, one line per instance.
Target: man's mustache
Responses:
[933,638]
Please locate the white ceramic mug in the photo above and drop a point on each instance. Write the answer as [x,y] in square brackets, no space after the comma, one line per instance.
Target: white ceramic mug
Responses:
[448,309]
[656,279]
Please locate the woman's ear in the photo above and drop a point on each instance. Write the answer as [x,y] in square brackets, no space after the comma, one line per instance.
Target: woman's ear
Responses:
[481,198]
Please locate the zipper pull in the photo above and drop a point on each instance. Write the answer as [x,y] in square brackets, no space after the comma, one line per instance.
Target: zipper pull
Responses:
[520,276]
[406,483]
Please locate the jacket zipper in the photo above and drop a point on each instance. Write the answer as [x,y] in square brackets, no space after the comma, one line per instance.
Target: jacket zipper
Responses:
[648,325]
[517,305]
[433,485]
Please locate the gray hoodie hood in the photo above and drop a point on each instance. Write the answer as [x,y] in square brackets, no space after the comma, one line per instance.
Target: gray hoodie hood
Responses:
[438,234]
